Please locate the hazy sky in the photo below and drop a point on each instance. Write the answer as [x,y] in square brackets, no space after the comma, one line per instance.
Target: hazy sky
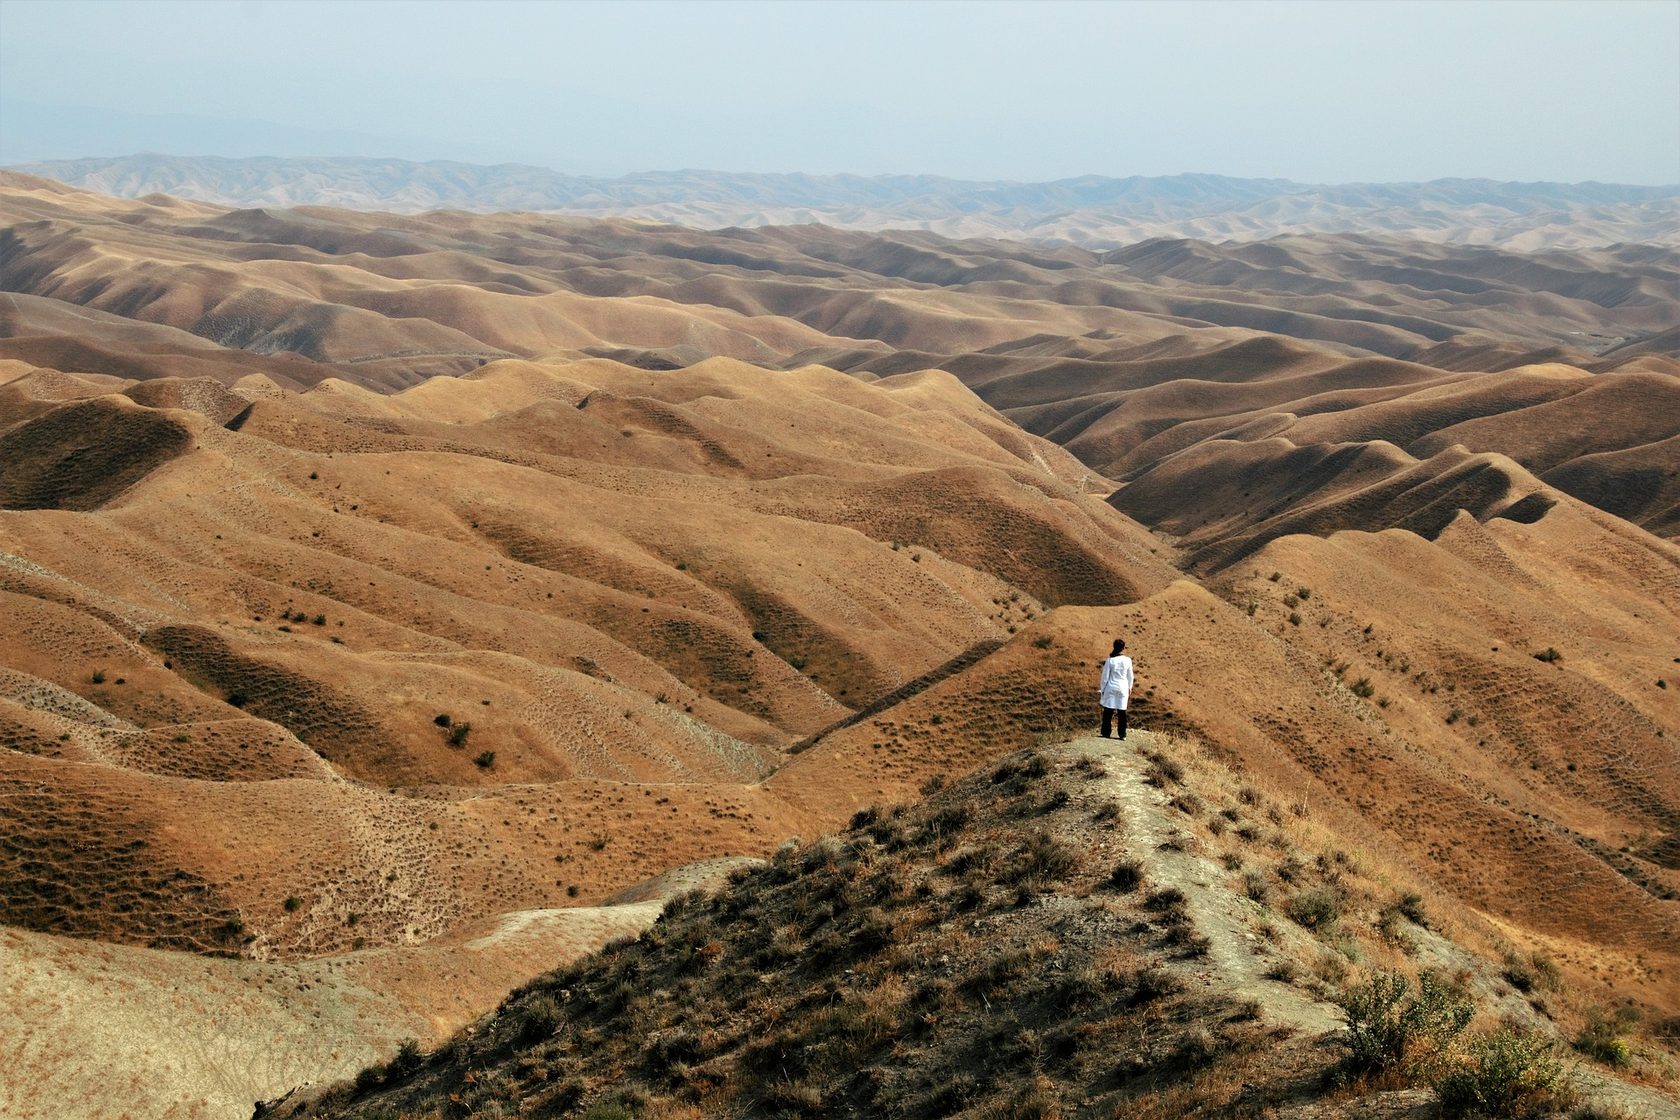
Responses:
[1327,91]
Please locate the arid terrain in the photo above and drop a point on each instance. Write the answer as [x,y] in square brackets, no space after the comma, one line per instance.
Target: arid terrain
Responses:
[402,606]
[1091,210]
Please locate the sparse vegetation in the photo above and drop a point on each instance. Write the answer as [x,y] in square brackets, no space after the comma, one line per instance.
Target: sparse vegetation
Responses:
[1317,908]
[1506,1075]
[1127,875]
[1391,1028]
[1603,1036]
[1532,973]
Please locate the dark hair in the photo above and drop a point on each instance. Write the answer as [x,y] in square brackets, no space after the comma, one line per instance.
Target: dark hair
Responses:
[1119,644]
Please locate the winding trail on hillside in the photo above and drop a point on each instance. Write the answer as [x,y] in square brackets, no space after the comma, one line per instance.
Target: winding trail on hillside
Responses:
[1238,956]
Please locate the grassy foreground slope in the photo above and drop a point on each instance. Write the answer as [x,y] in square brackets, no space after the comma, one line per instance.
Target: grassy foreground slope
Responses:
[1092,930]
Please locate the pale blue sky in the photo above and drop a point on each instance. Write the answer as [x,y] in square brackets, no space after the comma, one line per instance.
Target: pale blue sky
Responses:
[1327,91]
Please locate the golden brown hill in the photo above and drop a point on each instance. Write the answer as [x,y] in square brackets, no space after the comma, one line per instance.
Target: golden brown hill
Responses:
[546,585]
[348,674]
[1124,357]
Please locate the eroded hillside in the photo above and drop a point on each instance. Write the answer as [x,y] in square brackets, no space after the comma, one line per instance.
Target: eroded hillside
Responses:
[341,697]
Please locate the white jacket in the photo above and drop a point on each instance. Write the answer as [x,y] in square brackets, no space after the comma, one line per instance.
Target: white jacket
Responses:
[1117,682]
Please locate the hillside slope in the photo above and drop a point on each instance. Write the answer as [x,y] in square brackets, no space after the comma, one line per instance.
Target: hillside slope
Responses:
[1099,929]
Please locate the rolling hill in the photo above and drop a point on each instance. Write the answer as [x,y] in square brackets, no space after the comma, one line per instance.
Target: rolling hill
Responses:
[1091,210]
[402,606]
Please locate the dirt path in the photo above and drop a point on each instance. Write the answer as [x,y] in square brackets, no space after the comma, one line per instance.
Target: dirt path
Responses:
[1238,955]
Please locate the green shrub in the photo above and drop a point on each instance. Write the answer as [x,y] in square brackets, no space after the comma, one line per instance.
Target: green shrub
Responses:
[1601,1037]
[458,734]
[1508,1076]
[1392,1029]
[1548,655]
[484,760]
[1363,688]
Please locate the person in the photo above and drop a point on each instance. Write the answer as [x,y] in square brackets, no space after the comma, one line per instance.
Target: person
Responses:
[1116,688]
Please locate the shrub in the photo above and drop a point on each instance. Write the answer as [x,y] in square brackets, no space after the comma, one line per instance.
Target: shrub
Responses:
[484,760]
[1127,875]
[458,734]
[442,719]
[1507,1075]
[407,1059]
[1537,971]
[1601,1037]
[98,676]
[1316,909]
[1041,857]
[1168,900]
[1548,655]
[1163,771]
[292,903]
[1294,619]
[1389,1028]
[1363,688]
[1043,643]
[1150,984]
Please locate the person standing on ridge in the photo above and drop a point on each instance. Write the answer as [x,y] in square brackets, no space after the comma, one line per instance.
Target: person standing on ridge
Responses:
[1116,688]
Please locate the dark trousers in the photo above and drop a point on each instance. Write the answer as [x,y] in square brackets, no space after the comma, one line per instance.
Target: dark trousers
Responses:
[1109,716]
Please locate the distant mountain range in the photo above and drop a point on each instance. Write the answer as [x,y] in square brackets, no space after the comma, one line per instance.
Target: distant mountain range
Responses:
[1090,210]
